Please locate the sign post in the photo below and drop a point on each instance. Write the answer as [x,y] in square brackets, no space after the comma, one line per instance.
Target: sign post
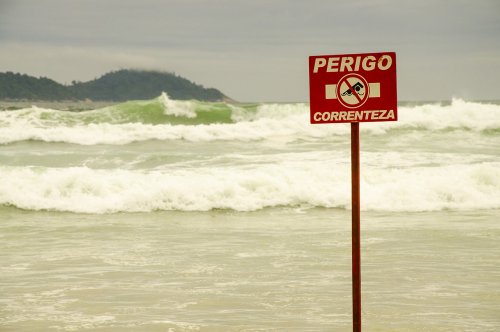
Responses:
[353,88]
[356,229]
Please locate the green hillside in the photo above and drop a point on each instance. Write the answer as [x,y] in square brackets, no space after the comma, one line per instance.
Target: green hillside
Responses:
[119,85]
[17,86]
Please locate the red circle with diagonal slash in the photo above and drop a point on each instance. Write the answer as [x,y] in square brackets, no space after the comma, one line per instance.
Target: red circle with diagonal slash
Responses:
[353,90]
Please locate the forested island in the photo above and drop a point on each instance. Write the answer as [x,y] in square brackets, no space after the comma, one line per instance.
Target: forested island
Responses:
[116,86]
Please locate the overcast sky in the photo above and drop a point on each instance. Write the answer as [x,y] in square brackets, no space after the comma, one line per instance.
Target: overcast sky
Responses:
[257,50]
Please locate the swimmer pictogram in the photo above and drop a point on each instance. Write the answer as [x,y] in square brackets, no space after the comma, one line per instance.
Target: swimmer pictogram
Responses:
[353,90]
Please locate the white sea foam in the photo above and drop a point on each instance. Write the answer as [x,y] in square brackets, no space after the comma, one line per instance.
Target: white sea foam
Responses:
[177,107]
[464,178]
[249,188]
[270,121]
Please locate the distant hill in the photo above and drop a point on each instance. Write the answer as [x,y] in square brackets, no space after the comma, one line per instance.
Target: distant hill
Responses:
[17,86]
[118,85]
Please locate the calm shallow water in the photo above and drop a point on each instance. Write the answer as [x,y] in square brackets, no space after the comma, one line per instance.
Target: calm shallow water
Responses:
[271,270]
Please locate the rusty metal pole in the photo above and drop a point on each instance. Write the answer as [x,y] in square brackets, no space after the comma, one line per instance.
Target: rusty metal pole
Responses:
[356,252]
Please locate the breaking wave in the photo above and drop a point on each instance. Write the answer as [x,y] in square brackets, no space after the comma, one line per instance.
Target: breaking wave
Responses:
[299,183]
[166,119]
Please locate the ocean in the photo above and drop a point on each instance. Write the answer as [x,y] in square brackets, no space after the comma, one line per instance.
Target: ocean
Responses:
[164,215]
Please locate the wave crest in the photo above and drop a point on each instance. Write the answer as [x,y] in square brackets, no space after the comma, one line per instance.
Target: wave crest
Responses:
[307,184]
[166,119]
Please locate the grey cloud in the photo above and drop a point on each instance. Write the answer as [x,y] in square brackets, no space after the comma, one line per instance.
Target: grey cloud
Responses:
[255,50]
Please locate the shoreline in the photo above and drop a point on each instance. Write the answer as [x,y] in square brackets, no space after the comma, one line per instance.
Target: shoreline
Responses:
[62,105]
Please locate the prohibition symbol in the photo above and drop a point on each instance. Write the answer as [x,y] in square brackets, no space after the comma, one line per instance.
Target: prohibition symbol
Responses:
[353,90]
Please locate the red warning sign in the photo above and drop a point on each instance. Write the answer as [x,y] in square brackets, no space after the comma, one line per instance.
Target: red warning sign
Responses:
[353,87]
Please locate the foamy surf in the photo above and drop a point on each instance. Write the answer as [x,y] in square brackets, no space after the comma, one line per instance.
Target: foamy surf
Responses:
[294,184]
[166,119]
[197,156]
